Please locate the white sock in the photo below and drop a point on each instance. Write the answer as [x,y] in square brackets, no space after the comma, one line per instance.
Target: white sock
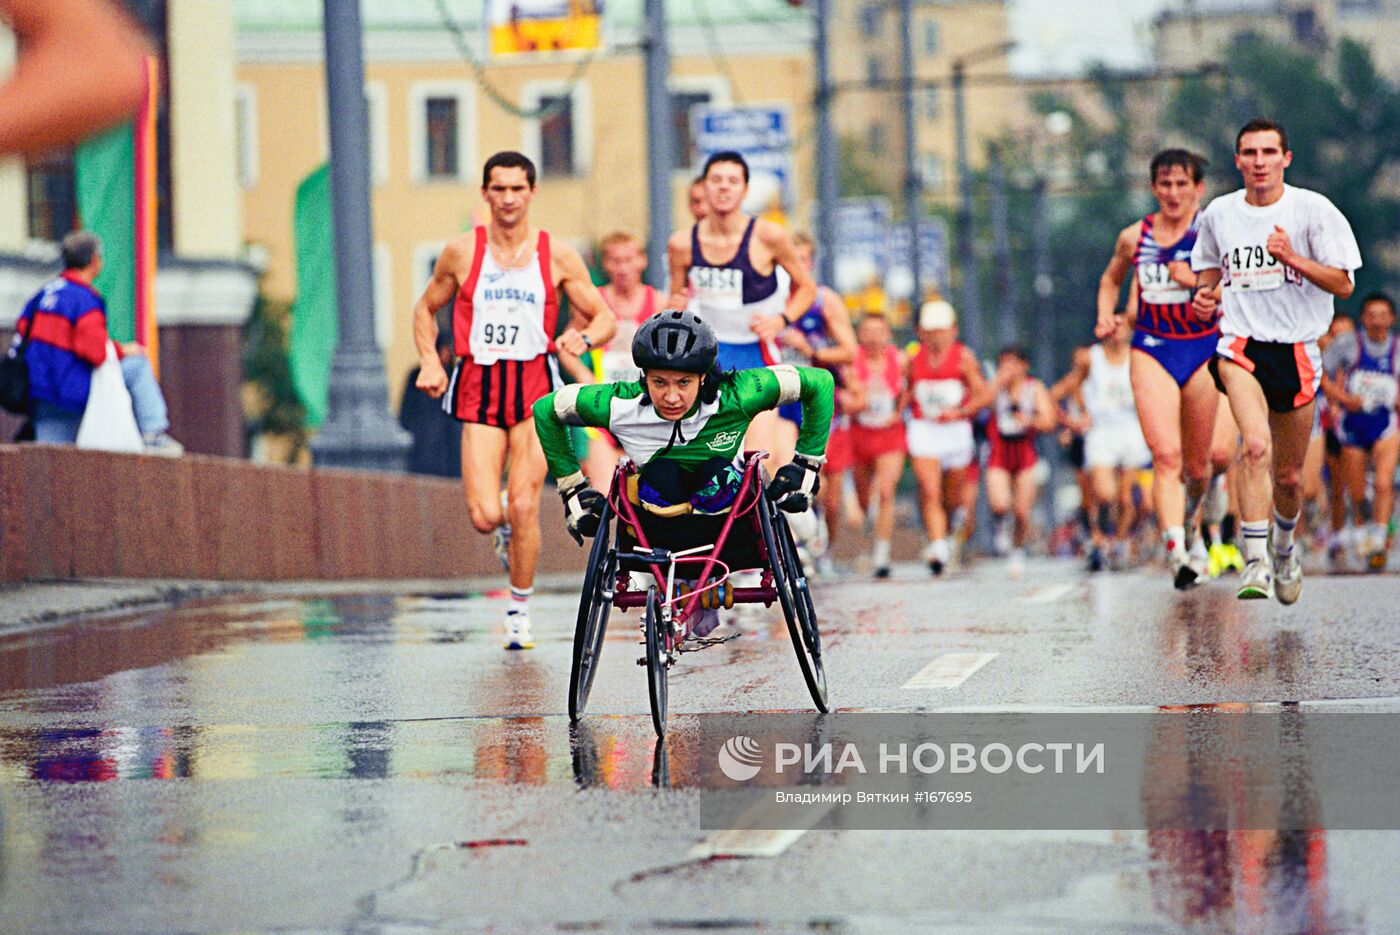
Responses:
[881,556]
[1175,538]
[519,600]
[939,550]
[1255,540]
[1283,534]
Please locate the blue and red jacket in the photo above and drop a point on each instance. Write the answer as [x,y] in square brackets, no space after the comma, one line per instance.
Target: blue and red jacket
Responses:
[66,324]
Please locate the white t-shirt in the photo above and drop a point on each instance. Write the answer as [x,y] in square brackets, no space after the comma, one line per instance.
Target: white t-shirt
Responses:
[1262,298]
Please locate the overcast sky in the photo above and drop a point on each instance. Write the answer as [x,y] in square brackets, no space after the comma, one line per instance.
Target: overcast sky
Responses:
[1058,36]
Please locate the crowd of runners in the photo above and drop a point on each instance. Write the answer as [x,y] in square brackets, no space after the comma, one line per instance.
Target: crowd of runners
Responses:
[1217,412]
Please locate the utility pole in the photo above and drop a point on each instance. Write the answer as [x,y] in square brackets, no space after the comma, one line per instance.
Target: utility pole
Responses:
[1044,338]
[970,315]
[1009,327]
[913,190]
[359,431]
[828,185]
[1042,330]
[661,157]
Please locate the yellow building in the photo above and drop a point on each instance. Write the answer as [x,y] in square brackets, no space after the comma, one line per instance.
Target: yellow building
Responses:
[867,51]
[434,118]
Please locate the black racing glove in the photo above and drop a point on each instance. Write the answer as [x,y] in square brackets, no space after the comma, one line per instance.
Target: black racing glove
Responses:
[583,506]
[795,486]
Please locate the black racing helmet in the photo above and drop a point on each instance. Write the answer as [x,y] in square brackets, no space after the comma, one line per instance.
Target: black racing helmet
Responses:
[675,340]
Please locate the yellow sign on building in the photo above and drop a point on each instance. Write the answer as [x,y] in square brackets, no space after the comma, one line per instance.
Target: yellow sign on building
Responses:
[544,25]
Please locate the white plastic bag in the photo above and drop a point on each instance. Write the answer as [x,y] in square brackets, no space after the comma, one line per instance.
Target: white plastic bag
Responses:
[108,421]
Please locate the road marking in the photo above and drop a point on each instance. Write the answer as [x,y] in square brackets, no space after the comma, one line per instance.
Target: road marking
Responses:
[949,670]
[761,842]
[1049,595]
[746,843]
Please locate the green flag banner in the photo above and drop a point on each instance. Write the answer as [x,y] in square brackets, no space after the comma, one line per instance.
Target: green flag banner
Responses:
[104,175]
[315,330]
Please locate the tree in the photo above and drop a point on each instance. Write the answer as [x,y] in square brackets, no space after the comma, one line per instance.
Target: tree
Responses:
[1343,123]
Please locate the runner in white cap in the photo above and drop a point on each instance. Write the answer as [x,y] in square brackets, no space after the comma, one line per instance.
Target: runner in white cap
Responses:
[946,388]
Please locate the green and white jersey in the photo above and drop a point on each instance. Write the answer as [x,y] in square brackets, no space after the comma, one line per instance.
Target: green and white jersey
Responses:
[710,430]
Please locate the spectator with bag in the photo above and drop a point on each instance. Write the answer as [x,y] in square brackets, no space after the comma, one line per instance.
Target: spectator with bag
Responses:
[63,329]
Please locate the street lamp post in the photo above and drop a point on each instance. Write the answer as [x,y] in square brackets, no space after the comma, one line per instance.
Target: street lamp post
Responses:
[661,157]
[359,431]
[970,316]
[913,189]
[828,185]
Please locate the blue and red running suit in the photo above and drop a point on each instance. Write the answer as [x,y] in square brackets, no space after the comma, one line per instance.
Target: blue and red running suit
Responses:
[1170,333]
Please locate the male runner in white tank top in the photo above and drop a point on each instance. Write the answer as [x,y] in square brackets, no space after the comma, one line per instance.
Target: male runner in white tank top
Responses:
[1271,260]
[1114,447]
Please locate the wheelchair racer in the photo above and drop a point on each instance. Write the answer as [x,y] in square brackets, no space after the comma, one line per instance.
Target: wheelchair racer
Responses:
[683,424]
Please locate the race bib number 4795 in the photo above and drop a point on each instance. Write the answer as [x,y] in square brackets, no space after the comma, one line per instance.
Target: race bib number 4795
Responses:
[1253,269]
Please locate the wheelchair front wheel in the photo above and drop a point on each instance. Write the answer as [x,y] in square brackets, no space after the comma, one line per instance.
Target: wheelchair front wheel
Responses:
[790,580]
[600,578]
[656,661]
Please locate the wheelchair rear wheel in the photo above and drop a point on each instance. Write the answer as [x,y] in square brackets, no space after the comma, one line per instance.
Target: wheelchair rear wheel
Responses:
[790,580]
[600,578]
[656,661]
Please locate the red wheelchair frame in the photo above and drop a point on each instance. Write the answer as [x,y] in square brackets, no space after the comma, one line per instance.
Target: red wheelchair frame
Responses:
[667,630]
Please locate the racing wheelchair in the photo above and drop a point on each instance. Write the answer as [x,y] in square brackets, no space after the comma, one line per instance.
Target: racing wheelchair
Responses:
[752,535]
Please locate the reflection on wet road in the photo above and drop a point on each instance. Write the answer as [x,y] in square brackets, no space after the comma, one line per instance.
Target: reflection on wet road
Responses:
[372,762]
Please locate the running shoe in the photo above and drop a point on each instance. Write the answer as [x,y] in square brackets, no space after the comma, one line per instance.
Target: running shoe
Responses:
[1256,581]
[1199,556]
[825,567]
[1215,567]
[1337,557]
[1016,565]
[1228,558]
[882,571]
[1288,578]
[500,540]
[1095,562]
[1377,560]
[518,631]
[1185,575]
[935,565]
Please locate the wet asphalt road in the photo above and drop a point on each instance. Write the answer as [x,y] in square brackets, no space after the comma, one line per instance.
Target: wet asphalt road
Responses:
[378,764]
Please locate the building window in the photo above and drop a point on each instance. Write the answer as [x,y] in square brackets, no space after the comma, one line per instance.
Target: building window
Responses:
[557,135]
[441,132]
[245,115]
[683,106]
[440,120]
[931,170]
[53,197]
[931,37]
[871,19]
[933,106]
[877,139]
[560,139]
[874,74]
